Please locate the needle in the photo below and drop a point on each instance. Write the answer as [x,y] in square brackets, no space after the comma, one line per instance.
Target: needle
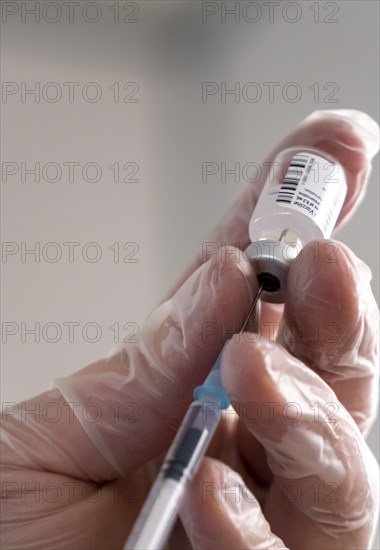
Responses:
[253,305]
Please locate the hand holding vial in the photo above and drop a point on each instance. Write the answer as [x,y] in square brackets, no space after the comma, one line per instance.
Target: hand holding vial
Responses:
[289,466]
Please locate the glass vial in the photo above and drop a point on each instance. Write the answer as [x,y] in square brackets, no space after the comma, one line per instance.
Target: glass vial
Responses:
[300,201]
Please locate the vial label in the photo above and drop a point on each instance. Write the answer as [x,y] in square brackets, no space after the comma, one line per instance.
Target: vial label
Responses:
[315,187]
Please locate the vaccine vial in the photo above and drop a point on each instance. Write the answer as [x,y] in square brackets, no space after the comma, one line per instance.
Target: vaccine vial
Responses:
[300,201]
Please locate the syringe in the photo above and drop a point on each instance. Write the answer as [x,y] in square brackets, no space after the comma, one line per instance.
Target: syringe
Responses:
[301,201]
[157,517]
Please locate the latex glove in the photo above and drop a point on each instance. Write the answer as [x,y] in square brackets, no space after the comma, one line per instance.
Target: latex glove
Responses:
[78,481]
[297,447]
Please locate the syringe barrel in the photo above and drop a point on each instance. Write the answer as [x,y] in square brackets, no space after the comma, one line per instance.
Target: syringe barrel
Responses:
[192,439]
[160,510]
[158,515]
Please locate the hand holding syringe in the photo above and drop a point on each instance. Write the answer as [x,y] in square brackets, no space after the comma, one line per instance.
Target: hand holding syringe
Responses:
[101,467]
[187,450]
[300,203]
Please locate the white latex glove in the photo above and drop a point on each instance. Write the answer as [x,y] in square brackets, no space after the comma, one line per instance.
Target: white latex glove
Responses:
[80,480]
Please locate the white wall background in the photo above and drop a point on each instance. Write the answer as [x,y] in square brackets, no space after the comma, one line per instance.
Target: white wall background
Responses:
[169,133]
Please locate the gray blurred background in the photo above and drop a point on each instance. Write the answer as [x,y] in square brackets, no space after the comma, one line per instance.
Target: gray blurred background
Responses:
[160,214]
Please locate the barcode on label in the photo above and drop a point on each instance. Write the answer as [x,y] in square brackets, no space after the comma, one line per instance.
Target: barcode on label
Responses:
[292,179]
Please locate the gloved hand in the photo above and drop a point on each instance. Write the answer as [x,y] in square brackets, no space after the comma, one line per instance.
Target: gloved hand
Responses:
[76,472]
